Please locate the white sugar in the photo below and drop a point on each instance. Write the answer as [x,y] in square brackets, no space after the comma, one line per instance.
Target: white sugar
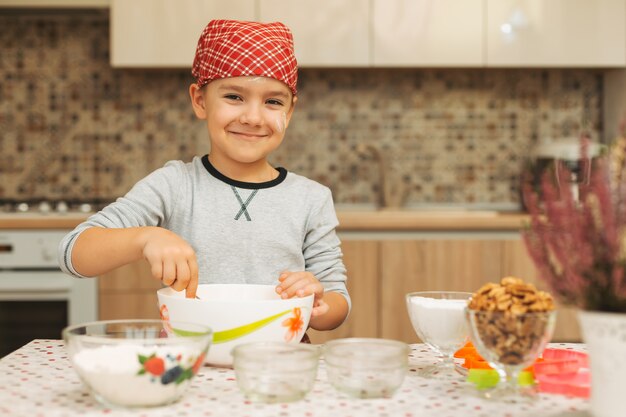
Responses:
[440,322]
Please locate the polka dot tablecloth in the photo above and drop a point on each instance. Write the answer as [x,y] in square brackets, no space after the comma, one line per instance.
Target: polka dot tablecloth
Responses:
[38,380]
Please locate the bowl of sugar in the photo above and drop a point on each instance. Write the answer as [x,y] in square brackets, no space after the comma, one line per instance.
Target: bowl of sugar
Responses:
[237,314]
[438,318]
[137,363]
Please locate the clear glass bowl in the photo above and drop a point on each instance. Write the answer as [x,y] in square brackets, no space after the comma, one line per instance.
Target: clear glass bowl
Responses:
[438,318]
[509,343]
[273,372]
[366,367]
[137,363]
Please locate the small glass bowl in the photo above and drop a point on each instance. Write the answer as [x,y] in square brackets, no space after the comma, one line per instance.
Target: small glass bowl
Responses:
[438,318]
[272,372]
[366,367]
[137,363]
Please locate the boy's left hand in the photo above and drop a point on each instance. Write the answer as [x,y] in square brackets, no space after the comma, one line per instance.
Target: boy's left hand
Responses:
[301,284]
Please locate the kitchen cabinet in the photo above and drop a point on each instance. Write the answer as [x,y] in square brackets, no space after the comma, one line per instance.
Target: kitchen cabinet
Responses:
[128,292]
[448,264]
[163,33]
[394,264]
[383,33]
[427,33]
[462,263]
[66,4]
[557,33]
[331,33]
[361,258]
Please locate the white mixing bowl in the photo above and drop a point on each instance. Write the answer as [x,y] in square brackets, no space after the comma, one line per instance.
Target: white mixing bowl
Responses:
[238,313]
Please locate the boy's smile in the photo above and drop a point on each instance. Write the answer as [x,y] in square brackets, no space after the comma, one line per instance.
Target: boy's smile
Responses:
[248,135]
[253,136]
[246,119]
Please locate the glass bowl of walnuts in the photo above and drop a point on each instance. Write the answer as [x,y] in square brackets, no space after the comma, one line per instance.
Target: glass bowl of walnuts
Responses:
[510,324]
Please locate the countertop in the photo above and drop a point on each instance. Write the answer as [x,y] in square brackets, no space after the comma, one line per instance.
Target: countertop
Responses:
[364,220]
[37,380]
[420,220]
[42,221]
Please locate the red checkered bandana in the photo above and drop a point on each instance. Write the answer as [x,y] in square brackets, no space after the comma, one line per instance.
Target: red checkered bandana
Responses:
[232,48]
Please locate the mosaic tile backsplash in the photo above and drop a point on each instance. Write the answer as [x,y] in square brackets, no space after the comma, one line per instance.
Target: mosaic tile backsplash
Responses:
[72,127]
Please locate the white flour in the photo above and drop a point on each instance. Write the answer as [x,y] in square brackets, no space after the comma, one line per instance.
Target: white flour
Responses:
[112,372]
[439,322]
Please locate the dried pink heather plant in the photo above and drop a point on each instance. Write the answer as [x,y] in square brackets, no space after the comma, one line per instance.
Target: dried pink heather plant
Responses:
[579,245]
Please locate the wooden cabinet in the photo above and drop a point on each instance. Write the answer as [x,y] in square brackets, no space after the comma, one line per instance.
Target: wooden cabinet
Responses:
[427,33]
[454,264]
[577,33]
[381,271]
[327,33]
[430,265]
[361,258]
[129,292]
[163,33]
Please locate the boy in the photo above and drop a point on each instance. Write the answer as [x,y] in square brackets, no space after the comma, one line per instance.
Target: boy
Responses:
[228,217]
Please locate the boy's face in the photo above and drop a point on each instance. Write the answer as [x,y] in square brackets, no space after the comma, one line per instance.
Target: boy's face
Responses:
[246,116]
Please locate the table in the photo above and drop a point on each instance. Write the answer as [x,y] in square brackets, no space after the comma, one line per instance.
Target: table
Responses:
[38,380]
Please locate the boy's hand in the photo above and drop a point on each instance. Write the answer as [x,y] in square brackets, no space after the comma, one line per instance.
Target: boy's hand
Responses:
[301,284]
[172,260]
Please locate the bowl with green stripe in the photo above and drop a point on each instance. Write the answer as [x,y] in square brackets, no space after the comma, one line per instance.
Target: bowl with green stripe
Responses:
[237,314]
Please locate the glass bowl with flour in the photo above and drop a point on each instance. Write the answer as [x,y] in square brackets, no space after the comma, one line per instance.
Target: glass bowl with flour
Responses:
[137,363]
[438,318]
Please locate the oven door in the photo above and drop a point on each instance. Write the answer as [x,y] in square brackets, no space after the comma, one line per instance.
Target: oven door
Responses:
[38,304]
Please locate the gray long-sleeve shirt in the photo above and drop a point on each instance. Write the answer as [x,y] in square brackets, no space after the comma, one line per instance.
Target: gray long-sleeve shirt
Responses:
[241,232]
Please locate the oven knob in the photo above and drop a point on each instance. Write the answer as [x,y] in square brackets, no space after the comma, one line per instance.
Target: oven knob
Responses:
[44,207]
[61,207]
[85,208]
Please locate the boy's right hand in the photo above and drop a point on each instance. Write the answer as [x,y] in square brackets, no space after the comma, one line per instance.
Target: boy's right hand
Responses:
[172,260]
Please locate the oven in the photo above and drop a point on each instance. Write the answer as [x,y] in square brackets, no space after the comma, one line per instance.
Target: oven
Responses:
[37,300]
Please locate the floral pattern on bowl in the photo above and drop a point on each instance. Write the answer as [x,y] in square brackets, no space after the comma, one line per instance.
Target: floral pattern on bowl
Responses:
[294,324]
[157,367]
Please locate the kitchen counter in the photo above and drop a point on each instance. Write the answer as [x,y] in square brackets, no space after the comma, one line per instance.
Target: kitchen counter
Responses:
[366,220]
[420,220]
[41,221]
[37,379]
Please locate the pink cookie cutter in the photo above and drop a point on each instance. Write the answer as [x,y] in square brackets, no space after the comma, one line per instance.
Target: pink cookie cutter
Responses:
[564,372]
